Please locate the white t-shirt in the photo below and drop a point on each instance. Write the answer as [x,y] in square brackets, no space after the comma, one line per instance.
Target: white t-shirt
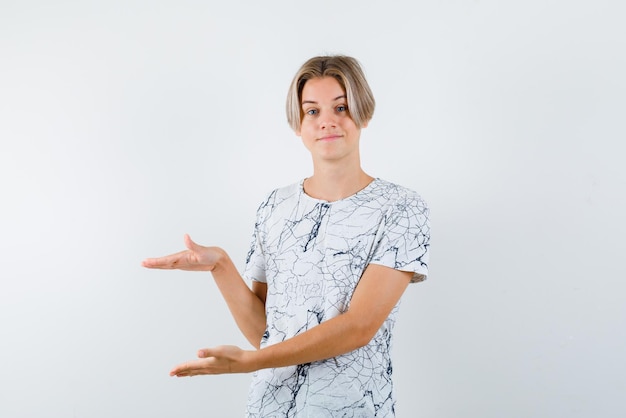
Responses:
[312,253]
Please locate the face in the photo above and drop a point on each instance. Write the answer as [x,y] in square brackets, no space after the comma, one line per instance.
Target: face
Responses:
[327,130]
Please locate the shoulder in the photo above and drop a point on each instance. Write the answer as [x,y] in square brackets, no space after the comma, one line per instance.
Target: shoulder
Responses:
[399,196]
[281,194]
[278,197]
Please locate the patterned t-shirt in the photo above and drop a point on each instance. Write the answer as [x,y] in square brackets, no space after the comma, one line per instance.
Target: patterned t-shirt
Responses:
[312,253]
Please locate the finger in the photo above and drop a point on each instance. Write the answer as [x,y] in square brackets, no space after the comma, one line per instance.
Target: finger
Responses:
[153,263]
[166,262]
[192,368]
[191,244]
[182,370]
[205,352]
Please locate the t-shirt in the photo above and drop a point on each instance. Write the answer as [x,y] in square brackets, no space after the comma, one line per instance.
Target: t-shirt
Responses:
[312,253]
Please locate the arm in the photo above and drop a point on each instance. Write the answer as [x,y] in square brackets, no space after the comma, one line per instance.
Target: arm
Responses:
[377,293]
[247,306]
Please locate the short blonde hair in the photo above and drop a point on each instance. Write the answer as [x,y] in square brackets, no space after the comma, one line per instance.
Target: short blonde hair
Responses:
[348,72]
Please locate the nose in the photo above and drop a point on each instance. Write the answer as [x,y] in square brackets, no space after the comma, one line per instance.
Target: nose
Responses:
[328,120]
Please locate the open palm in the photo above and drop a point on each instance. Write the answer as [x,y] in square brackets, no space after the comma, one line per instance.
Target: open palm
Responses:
[194,258]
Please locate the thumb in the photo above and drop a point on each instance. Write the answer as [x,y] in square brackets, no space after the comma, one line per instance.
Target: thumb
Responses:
[190,244]
[205,352]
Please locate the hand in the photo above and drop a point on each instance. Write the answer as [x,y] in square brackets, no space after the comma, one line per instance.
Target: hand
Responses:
[217,360]
[195,258]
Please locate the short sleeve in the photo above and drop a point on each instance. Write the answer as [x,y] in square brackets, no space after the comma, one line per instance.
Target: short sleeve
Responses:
[255,260]
[403,238]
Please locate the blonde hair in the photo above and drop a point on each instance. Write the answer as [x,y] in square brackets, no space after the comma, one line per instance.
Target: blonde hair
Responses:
[347,71]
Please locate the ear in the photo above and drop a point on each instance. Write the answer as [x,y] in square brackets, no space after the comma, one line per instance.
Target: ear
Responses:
[364,124]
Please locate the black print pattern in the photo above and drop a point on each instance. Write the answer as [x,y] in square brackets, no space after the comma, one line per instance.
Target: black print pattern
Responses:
[312,253]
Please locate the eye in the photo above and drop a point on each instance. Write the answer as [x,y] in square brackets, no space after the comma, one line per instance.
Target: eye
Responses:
[311,112]
[342,108]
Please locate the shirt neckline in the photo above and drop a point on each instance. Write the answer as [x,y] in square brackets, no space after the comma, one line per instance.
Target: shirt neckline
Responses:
[352,196]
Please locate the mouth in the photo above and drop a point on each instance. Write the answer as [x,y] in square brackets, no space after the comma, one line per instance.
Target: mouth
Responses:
[329,137]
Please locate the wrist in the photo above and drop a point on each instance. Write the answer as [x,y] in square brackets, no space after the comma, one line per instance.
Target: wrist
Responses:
[251,361]
[222,260]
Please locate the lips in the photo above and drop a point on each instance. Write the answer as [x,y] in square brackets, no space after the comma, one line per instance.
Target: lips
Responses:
[329,137]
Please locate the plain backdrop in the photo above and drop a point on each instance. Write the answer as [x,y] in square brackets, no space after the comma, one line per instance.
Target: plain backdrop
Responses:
[126,124]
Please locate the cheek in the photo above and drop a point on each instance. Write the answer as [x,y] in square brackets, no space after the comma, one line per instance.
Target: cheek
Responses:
[306,136]
[305,130]
[307,144]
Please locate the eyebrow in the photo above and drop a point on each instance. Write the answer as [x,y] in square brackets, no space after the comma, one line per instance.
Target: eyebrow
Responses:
[343,96]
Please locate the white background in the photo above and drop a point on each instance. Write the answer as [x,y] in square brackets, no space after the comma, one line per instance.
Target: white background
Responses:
[125,124]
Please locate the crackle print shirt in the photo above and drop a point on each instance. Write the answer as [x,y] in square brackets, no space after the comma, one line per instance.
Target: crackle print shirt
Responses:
[312,253]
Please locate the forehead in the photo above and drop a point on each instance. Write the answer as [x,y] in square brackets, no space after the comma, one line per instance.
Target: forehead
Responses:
[322,89]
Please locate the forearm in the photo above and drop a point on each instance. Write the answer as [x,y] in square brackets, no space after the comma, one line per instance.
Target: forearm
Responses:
[331,338]
[245,306]
[379,290]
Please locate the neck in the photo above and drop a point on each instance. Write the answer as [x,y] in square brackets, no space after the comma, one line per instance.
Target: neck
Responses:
[335,182]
